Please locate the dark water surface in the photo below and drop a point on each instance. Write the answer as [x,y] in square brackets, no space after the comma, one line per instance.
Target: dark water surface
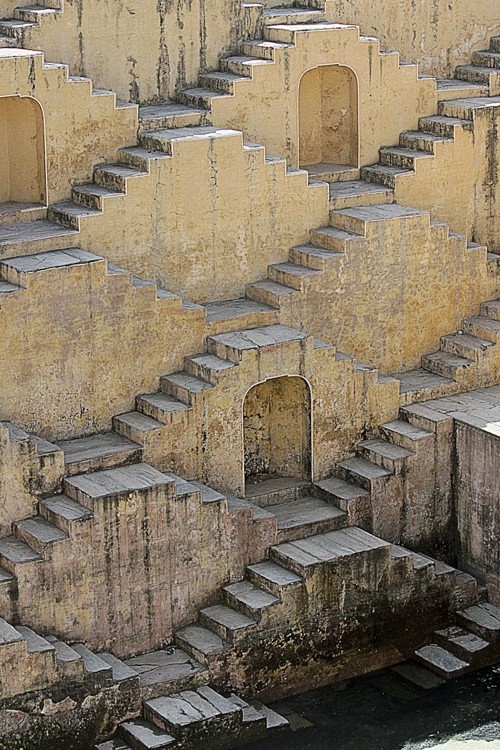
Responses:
[385,712]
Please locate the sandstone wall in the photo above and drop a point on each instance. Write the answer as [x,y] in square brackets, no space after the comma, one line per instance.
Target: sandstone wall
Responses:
[477,510]
[435,33]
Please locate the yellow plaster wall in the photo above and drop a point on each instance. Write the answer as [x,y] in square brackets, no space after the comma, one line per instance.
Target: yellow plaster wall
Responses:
[437,34]
[81,129]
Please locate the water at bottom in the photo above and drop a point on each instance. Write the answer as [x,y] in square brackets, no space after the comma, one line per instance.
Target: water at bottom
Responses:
[385,712]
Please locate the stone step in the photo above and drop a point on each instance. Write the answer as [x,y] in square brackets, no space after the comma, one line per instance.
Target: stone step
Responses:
[198,718]
[425,417]
[486,59]
[120,672]
[115,744]
[441,661]
[172,115]
[422,385]
[274,721]
[206,368]
[306,516]
[483,620]
[19,270]
[243,65]
[291,275]
[420,140]
[488,329]
[383,453]
[406,435]
[465,345]
[249,599]
[201,643]
[406,158]
[446,364]
[268,292]
[238,313]
[358,193]
[68,660]
[160,407]
[199,97]
[10,635]
[36,644]
[267,490]
[96,452]
[229,624]
[87,489]
[454,88]
[466,108]
[361,472]
[491,309]
[115,176]
[264,48]
[136,426]
[29,237]
[443,126]
[14,27]
[7,288]
[166,140]
[14,552]
[93,196]
[272,577]
[463,644]
[383,174]
[313,257]
[63,512]
[418,675]
[476,74]
[335,239]
[144,735]
[495,43]
[303,556]
[183,387]
[331,172]
[93,664]
[70,214]
[251,716]
[38,533]
[231,346]
[221,80]
[344,494]
[291,15]
[166,671]
[365,220]
[286,32]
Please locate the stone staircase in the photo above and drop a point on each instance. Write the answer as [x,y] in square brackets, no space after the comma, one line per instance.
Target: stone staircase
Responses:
[473,643]
[30,661]
[26,19]
[466,359]
[264,601]
[194,718]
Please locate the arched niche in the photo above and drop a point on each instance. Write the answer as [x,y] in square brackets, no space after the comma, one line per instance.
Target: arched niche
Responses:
[328,116]
[22,152]
[277,429]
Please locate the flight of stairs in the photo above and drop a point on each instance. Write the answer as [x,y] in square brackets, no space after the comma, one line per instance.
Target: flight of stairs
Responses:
[200,717]
[30,661]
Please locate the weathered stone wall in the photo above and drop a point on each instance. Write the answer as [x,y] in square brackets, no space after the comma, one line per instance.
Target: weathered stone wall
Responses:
[145,49]
[81,129]
[437,34]
[277,428]
[477,490]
